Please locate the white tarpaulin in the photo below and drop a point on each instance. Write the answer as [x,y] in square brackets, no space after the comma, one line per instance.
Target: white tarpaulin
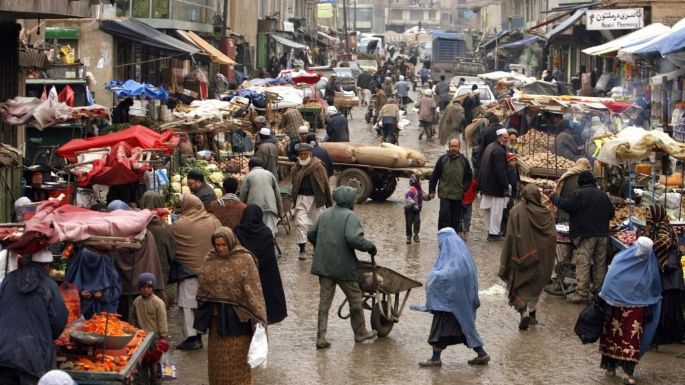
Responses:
[627,52]
[641,35]
[635,143]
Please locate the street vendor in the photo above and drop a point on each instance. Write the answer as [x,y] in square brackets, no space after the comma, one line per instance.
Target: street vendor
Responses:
[332,86]
[336,128]
[291,121]
[32,315]
[565,144]
[199,187]
[389,117]
[258,123]
[97,280]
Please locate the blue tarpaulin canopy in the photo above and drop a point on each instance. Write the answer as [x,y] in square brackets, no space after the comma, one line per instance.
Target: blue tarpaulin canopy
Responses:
[668,43]
[498,36]
[521,43]
[133,88]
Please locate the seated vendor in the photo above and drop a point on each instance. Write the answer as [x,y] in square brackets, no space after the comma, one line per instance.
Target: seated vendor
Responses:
[565,144]
[97,281]
[241,141]
[258,123]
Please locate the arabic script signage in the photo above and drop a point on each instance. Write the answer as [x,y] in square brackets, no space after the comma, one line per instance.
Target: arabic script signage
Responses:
[602,19]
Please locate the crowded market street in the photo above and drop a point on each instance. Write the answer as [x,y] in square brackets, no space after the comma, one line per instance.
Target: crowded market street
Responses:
[546,353]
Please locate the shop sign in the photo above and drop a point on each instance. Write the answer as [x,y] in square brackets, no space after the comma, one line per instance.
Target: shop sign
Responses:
[324,11]
[605,19]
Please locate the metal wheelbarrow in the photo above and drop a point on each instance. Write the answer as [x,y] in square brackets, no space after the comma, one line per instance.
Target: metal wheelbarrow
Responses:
[381,289]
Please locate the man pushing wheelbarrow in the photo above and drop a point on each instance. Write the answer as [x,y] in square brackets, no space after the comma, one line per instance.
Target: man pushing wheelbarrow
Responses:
[335,236]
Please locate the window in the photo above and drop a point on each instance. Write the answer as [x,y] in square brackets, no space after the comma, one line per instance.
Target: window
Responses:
[122,7]
[160,9]
[140,8]
[364,14]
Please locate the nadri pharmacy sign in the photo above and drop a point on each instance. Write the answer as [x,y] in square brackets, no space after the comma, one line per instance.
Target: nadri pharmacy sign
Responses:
[602,19]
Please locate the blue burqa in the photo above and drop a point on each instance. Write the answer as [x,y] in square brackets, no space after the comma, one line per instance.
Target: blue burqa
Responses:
[95,272]
[634,281]
[452,284]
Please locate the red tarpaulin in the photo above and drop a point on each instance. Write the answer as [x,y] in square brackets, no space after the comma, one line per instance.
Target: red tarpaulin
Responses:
[135,136]
[619,107]
[120,167]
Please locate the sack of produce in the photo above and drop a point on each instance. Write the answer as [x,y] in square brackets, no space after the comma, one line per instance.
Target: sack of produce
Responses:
[341,152]
[377,156]
[407,156]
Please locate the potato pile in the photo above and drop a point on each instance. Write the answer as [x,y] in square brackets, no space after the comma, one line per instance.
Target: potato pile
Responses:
[535,141]
[546,160]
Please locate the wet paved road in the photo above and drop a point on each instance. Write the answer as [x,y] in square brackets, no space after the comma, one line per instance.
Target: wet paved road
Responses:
[548,353]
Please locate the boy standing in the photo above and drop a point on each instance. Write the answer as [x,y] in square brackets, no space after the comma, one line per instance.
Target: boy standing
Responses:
[413,203]
[148,312]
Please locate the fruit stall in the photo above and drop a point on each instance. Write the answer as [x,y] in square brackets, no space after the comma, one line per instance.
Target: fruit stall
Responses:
[102,350]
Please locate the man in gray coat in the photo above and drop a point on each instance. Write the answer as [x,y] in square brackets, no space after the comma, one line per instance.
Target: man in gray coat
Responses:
[335,236]
[261,188]
[267,151]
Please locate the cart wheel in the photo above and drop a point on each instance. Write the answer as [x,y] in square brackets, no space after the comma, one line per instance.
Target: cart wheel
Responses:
[383,186]
[378,322]
[358,179]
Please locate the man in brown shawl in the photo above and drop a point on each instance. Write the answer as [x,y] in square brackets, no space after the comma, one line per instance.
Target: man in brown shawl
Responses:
[166,246]
[528,255]
[451,123]
[310,192]
[229,208]
[193,242]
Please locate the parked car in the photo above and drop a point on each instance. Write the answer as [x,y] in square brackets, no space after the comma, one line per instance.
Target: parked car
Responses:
[486,95]
[470,80]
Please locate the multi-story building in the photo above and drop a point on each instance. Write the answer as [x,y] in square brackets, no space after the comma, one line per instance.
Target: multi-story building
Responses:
[12,79]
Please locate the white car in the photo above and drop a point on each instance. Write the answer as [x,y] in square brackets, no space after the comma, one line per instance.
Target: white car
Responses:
[468,80]
[486,95]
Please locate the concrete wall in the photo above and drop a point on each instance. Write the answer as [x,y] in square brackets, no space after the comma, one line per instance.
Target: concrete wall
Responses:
[667,12]
[93,46]
[45,8]
[243,19]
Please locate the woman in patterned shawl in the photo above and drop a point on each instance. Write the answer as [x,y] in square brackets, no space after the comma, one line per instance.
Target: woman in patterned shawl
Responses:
[230,303]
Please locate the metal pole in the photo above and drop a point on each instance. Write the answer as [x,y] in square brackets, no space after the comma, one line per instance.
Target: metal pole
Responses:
[354,16]
[347,37]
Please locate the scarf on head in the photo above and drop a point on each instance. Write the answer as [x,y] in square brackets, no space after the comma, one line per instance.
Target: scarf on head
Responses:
[191,233]
[233,278]
[527,258]
[581,165]
[662,233]
[151,200]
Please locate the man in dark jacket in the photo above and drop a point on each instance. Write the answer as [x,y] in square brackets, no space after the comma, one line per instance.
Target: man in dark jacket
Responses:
[470,103]
[590,212]
[336,128]
[364,84]
[488,136]
[199,187]
[452,176]
[442,93]
[335,236]
[32,315]
[494,184]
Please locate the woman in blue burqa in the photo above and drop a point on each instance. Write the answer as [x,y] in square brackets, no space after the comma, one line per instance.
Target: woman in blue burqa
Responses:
[632,288]
[452,297]
[97,281]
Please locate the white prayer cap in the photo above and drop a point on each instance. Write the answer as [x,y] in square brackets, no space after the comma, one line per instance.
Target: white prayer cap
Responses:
[43,256]
[644,246]
[265,131]
[56,377]
[502,131]
[302,130]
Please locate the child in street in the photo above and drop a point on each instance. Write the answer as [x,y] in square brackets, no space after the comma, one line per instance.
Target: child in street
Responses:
[148,312]
[467,203]
[413,203]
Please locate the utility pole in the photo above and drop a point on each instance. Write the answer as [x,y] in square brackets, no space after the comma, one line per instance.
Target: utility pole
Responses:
[347,37]
[354,15]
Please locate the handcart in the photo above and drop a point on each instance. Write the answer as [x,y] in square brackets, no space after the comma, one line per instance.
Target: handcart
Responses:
[564,281]
[382,286]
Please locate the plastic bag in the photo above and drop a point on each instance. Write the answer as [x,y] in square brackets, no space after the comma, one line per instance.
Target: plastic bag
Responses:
[167,368]
[72,300]
[259,347]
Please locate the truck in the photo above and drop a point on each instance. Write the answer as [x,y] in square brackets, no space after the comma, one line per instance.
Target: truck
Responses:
[446,47]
